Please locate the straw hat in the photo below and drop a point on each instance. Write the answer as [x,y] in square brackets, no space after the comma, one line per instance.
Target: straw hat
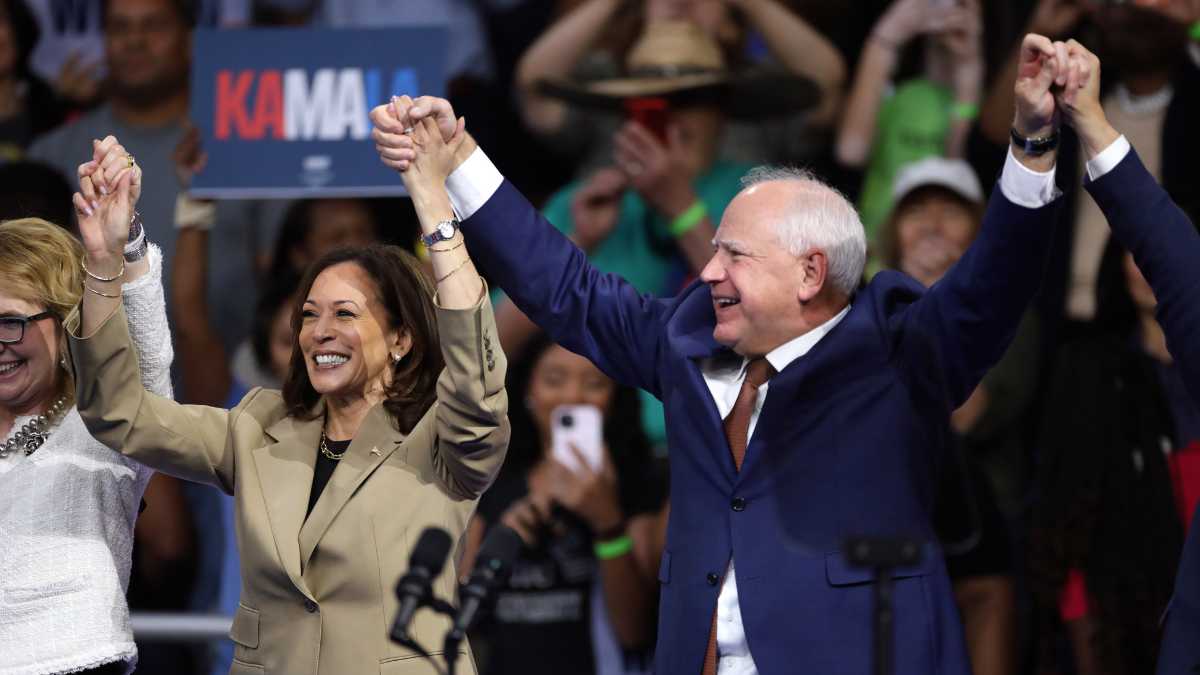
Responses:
[678,61]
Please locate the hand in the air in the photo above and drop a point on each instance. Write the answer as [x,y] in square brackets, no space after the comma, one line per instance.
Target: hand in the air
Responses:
[1044,71]
[400,115]
[109,187]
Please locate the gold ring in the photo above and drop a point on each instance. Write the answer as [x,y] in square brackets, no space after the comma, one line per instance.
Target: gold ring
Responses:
[131,160]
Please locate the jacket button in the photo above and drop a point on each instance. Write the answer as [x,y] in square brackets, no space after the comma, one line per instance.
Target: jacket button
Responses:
[738,504]
[310,606]
[712,578]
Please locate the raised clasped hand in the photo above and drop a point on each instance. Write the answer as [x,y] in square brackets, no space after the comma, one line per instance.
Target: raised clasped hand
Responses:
[110,185]
[1046,74]
[395,123]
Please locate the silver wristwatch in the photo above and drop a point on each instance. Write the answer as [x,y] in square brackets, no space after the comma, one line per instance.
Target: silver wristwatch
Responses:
[444,231]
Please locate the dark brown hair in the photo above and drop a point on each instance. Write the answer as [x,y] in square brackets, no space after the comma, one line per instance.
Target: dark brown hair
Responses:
[406,294]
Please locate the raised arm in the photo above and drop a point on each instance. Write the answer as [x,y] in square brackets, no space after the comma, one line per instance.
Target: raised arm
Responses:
[185,441]
[597,315]
[472,411]
[965,322]
[801,49]
[553,55]
[141,283]
[902,22]
[1144,219]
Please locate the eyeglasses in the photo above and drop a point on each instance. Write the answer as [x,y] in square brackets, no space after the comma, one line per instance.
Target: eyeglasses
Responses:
[12,328]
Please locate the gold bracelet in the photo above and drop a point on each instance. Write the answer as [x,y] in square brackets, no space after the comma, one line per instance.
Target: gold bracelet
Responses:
[447,250]
[88,272]
[103,295]
[451,272]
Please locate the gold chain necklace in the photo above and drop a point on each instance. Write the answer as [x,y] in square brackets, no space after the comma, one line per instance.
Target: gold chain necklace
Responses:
[335,456]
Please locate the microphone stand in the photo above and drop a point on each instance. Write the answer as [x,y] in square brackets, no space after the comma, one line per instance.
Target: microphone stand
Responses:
[883,555]
[402,638]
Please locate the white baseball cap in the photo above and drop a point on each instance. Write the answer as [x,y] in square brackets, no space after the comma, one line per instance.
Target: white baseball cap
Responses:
[953,174]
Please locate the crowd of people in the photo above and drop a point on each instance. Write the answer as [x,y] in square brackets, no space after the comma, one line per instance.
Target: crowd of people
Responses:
[1007,381]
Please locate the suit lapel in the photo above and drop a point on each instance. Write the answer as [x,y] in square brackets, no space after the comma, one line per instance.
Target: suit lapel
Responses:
[285,475]
[375,441]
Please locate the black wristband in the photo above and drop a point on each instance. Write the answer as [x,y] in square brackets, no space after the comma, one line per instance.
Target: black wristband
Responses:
[1035,146]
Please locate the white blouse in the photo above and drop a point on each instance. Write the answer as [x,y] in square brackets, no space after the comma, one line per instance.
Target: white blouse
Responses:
[66,524]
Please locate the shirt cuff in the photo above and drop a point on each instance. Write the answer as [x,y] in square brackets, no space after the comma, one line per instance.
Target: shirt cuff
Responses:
[472,184]
[1108,159]
[1024,186]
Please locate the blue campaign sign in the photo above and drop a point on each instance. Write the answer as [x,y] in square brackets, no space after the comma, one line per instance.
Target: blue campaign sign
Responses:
[283,112]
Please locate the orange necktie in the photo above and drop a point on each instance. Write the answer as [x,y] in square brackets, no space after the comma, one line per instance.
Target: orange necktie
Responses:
[737,429]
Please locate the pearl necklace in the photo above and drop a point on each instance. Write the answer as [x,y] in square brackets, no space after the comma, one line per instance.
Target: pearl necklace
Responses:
[35,432]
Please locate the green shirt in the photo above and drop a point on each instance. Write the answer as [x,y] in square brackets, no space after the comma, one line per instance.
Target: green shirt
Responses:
[913,124]
[642,251]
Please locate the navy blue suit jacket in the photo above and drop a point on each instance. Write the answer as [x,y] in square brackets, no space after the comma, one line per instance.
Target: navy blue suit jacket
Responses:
[1166,248]
[848,441]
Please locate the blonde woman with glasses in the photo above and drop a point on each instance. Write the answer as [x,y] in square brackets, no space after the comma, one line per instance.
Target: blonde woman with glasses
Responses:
[67,502]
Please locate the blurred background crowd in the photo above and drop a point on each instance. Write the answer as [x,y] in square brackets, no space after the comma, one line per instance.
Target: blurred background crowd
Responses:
[1063,514]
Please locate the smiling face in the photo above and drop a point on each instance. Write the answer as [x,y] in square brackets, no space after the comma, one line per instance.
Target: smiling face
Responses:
[30,376]
[561,377]
[758,287]
[345,335]
[933,230]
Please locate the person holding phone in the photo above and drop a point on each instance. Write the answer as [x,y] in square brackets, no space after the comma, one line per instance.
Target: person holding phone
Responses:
[582,490]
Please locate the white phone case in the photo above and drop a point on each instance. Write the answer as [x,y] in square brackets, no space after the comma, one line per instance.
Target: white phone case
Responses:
[581,426]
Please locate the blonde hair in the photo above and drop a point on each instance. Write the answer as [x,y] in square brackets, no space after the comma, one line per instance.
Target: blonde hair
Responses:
[40,263]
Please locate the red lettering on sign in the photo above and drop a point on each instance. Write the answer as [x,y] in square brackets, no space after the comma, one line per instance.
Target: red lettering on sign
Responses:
[268,107]
[231,104]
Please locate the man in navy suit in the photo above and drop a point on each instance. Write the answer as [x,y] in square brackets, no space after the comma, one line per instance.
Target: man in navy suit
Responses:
[1166,248]
[800,410]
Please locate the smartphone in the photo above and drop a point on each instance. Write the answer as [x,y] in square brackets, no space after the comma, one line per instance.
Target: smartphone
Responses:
[581,426]
[652,113]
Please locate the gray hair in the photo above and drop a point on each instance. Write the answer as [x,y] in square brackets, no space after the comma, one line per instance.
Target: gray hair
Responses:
[822,218]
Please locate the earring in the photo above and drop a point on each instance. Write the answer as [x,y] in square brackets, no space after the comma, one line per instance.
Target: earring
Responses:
[62,360]
[396,358]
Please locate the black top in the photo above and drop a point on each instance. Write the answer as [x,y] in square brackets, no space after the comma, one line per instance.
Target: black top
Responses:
[323,469]
[547,601]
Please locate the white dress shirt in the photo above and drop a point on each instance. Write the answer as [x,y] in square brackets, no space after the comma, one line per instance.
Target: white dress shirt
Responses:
[474,182]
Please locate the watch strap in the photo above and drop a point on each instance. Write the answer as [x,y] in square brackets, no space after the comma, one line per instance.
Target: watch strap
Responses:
[1035,146]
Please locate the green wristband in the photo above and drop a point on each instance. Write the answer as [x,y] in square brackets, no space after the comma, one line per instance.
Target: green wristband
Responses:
[1194,31]
[689,219]
[964,111]
[613,548]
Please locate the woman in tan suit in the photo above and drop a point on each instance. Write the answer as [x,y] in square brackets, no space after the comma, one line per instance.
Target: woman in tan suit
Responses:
[376,435]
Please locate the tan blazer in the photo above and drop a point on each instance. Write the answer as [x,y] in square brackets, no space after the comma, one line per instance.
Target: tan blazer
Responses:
[318,594]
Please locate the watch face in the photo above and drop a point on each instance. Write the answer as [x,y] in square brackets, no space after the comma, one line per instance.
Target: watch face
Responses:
[446,229]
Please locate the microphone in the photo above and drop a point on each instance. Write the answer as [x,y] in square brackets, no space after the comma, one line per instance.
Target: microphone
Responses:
[415,588]
[492,567]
